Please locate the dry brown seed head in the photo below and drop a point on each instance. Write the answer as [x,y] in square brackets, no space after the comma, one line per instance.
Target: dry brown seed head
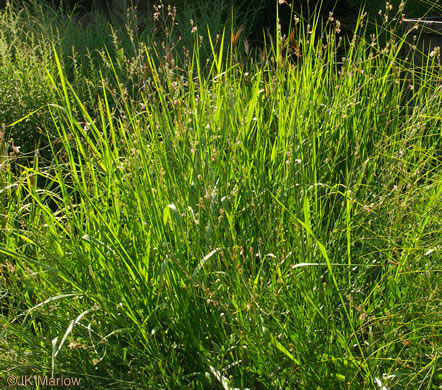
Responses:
[338,26]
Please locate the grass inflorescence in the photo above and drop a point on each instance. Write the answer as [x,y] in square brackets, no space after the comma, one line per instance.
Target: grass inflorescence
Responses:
[260,219]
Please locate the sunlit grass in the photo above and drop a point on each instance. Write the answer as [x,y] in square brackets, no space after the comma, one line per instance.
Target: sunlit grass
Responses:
[270,223]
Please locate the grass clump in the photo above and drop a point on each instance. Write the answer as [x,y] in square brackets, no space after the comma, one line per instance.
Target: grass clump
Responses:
[261,223]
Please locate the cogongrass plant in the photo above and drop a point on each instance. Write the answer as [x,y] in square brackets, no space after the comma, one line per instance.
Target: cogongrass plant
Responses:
[269,224]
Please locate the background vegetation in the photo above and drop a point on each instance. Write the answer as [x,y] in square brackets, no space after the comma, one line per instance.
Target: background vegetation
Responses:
[179,208]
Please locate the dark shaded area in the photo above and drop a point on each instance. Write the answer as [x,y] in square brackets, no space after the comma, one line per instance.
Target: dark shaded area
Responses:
[267,15]
[346,11]
[105,6]
[83,5]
